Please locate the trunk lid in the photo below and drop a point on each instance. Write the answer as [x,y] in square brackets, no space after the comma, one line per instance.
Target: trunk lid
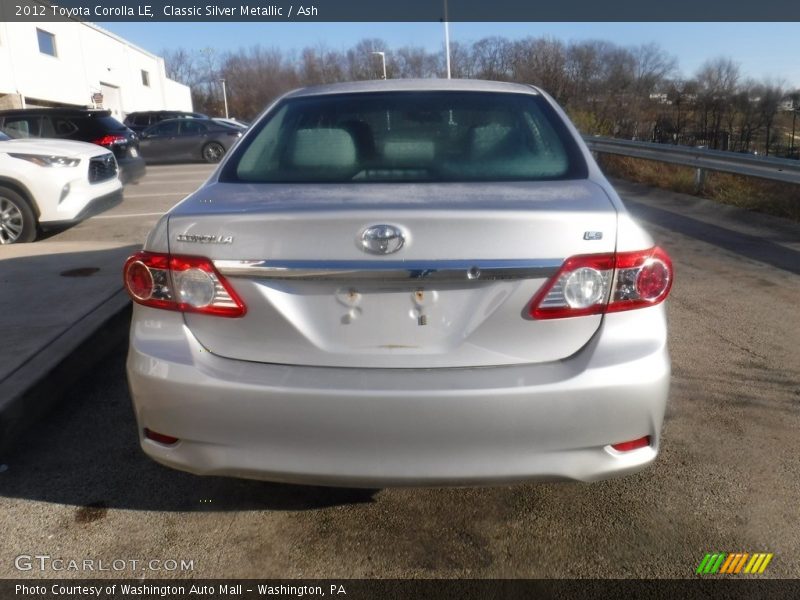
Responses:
[455,295]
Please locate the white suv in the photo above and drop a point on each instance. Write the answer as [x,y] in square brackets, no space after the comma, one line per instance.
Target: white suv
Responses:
[50,182]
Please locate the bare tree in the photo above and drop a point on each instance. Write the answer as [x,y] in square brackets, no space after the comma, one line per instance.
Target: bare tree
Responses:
[541,61]
[361,63]
[255,77]
[630,92]
[768,103]
[716,82]
[319,64]
[462,61]
[414,62]
[492,57]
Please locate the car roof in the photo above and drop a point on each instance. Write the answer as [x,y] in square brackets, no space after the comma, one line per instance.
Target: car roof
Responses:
[182,120]
[56,110]
[163,112]
[414,85]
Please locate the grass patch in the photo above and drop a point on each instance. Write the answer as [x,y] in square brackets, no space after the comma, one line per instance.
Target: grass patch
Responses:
[751,193]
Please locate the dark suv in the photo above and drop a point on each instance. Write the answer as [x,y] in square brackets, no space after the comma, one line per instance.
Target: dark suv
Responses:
[139,121]
[83,125]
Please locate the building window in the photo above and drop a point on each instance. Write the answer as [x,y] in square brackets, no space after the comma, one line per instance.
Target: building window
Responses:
[47,42]
[145,78]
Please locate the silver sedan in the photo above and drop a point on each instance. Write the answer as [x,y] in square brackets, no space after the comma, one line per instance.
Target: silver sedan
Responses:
[402,283]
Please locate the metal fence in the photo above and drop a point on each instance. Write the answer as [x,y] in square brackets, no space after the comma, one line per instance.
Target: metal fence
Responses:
[766,167]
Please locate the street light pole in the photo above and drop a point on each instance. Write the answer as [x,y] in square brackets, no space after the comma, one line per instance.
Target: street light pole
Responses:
[224,97]
[447,39]
[383,61]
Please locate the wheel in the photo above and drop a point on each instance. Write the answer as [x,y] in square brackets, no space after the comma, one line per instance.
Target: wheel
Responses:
[213,152]
[17,222]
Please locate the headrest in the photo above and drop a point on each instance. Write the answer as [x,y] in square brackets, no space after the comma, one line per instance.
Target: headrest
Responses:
[323,148]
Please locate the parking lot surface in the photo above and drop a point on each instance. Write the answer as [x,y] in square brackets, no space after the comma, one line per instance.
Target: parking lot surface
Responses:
[728,477]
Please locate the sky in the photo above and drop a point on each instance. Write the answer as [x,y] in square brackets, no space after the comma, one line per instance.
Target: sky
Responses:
[763,50]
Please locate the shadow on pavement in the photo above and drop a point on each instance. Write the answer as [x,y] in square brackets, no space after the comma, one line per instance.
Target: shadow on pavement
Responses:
[86,453]
[749,246]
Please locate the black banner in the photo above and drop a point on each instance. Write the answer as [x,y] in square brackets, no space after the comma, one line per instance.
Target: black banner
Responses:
[391,589]
[392,10]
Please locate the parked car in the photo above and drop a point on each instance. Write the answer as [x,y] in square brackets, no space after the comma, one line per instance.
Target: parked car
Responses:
[52,182]
[188,139]
[402,283]
[84,125]
[231,122]
[140,120]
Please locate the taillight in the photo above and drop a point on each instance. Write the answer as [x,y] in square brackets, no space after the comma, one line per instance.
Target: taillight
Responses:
[110,140]
[182,283]
[598,283]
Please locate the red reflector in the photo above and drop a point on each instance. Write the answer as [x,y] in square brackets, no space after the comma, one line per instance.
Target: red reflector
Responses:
[139,280]
[160,437]
[652,280]
[632,445]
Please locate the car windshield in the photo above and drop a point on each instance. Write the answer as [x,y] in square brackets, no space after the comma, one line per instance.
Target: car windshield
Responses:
[4,137]
[408,136]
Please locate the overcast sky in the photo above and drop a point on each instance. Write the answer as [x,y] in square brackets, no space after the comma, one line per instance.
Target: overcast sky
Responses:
[762,49]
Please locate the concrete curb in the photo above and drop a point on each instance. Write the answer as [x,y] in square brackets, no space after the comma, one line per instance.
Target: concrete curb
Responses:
[38,384]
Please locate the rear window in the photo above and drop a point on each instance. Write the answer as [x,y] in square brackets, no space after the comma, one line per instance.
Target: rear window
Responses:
[139,120]
[104,123]
[408,136]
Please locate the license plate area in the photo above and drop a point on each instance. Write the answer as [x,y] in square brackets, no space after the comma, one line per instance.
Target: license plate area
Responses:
[412,305]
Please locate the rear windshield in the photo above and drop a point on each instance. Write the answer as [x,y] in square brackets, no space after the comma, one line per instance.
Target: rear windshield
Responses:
[408,136]
[100,123]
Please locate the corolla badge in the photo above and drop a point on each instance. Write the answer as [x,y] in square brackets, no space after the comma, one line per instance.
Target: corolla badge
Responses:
[204,238]
[381,239]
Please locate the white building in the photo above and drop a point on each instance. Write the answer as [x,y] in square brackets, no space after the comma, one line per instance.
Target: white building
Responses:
[80,64]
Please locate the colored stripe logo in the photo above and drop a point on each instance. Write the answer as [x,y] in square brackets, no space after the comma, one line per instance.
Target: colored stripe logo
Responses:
[734,563]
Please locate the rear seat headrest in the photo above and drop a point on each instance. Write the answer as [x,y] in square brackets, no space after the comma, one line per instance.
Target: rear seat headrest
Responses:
[323,147]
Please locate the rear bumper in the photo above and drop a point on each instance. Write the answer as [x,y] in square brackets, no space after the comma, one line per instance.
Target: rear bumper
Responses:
[131,170]
[383,427]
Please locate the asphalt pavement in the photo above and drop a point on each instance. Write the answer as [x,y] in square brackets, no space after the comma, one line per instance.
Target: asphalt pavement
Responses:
[55,293]
[728,477]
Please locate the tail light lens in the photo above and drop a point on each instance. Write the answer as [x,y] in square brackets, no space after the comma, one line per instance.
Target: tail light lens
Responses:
[110,140]
[599,283]
[182,283]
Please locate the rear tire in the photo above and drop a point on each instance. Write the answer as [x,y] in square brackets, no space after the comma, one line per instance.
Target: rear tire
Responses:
[213,152]
[17,222]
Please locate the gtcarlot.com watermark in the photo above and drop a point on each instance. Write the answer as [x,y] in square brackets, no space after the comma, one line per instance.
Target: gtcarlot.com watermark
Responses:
[44,563]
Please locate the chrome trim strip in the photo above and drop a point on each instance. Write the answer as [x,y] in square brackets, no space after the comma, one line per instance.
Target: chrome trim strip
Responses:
[433,270]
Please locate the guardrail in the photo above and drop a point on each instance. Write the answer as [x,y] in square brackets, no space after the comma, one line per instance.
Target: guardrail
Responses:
[766,167]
